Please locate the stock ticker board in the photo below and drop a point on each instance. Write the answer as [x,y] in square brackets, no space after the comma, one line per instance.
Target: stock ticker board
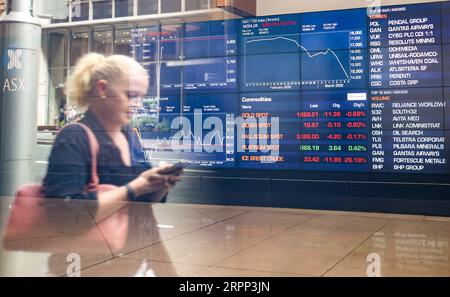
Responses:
[353,90]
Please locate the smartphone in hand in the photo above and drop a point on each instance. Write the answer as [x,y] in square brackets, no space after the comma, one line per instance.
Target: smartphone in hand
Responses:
[173,169]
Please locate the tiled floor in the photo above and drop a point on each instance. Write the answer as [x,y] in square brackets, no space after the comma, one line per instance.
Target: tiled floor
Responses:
[212,240]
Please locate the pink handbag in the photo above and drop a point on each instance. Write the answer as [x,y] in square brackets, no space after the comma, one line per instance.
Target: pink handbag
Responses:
[31,215]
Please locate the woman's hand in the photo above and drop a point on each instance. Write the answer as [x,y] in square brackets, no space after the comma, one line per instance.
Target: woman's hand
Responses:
[153,181]
[173,173]
[149,181]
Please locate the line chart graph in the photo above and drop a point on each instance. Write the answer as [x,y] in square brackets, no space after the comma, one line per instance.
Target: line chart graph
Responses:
[309,54]
[307,61]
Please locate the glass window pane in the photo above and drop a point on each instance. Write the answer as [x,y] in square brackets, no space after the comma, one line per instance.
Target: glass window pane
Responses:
[122,43]
[59,12]
[170,6]
[102,9]
[56,97]
[79,44]
[147,7]
[124,8]
[80,10]
[102,41]
[197,4]
[145,51]
[57,49]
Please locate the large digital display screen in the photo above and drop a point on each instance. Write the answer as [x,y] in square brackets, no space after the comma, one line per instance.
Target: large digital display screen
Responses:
[347,91]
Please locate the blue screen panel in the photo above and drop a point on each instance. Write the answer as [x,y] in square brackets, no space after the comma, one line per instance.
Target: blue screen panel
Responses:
[210,39]
[259,142]
[274,72]
[215,74]
[334,30]
[273,34]
[424,153]
[334,134]
[415,107]
[447,108]
[445,22]
[334,69]
[353,91]
[408,130]
[171,43]
[446,64]
[144,46]
[405,25]
[415,66]
[154,127]
[212,136]
[170,76]
[201,132]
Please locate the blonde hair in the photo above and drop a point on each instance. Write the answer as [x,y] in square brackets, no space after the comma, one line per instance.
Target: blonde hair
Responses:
[93,67]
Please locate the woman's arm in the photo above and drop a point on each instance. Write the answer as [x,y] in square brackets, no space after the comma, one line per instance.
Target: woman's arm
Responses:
[150,183]
[68,174]
[111,201]
[173,177]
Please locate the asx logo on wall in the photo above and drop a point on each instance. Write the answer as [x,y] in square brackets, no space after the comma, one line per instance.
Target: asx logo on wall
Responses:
[14,59]
[14,62]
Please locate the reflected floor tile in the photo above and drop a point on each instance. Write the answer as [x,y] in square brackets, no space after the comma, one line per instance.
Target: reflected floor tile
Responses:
[408,217]
[302,261]
[166,214]
[406,255]
[207,206]
[345,223]
[434,228]
[206,246]
[92,206]
[140,268]
[145,231]
[384,215]
[49,218]
[73,205]
[149,224]
[434,218]
[164,222]
[397,227]
[26,264]
[278,221]
[48,257]
[310,252]
[64,224]
[221,214]
[430,227]
[146,235]
[4,215]
[334,242]
[5,204]
[228,272]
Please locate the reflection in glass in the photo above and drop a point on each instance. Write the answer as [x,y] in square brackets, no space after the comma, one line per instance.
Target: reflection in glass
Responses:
[79,44]
[124,8]
[80,10]
[197,4]
[59,12]
[147,7]
[102,41]
[102,9]
[122,43]
[60,238]
[170,6]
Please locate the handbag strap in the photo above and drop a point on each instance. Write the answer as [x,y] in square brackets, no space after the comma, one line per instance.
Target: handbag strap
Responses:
[94,148]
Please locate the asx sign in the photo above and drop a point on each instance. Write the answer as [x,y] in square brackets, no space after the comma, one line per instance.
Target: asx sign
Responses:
[14,84]
[14,59]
